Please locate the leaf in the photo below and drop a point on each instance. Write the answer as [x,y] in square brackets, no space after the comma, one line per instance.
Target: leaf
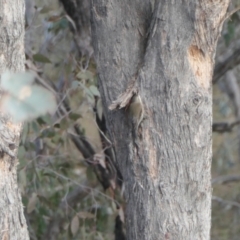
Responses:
[45,9]
[48,133]
[99,109]
[86,90]
[121,214]
[56,139]
[74,116]
[40,58]
[47,119]
[74,225]
[21,152]
[35,127]
[32,203]
[22,178]
[68,68]
[24,133]
[48,174]
[85,75]
[74,85]
[94,90]
[85,215]
[30,146]
[56,125]
[64,124]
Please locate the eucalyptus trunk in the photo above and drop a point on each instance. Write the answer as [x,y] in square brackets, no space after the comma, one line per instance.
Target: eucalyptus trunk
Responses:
[12,57]
[163,52]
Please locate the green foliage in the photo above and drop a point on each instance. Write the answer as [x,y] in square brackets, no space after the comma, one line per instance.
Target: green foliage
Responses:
[232,25]
[229,35]
[51,168]
[41,58]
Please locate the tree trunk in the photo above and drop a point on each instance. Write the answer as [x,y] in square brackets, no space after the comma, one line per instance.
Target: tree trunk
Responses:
[12,57]
[162,52]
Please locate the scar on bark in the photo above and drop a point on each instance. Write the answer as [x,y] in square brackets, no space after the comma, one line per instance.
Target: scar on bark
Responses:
[124,99]
[201,65]
[153,167]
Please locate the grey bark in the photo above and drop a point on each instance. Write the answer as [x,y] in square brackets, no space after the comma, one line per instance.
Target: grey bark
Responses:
[165,49]
[12,57]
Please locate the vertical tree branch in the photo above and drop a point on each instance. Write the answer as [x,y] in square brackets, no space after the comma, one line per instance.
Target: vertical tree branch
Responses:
[12,57]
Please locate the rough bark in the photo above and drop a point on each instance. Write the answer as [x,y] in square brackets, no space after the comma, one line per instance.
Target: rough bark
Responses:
[165,49]
[12,221]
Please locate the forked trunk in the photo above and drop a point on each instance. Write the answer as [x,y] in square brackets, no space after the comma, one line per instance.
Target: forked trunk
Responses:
[163,51]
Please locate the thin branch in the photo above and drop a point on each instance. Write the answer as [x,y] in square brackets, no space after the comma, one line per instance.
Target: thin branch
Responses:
[231,13]
[234,94]
[222,127]
[234,91]
[226,202]
[226,179]
[86,188]
[228,64]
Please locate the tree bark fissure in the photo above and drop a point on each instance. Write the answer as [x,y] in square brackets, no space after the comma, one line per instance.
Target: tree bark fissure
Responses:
[167,173]
[12,57]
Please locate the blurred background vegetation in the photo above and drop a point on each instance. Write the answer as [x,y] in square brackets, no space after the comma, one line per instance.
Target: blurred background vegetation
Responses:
[67,177]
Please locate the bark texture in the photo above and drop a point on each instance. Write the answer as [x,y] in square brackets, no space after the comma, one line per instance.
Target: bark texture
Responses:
[12,57]
[166,49]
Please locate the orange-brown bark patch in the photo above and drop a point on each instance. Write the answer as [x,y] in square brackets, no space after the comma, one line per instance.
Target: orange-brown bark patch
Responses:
[2,165]
[201,66]
[152,157]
